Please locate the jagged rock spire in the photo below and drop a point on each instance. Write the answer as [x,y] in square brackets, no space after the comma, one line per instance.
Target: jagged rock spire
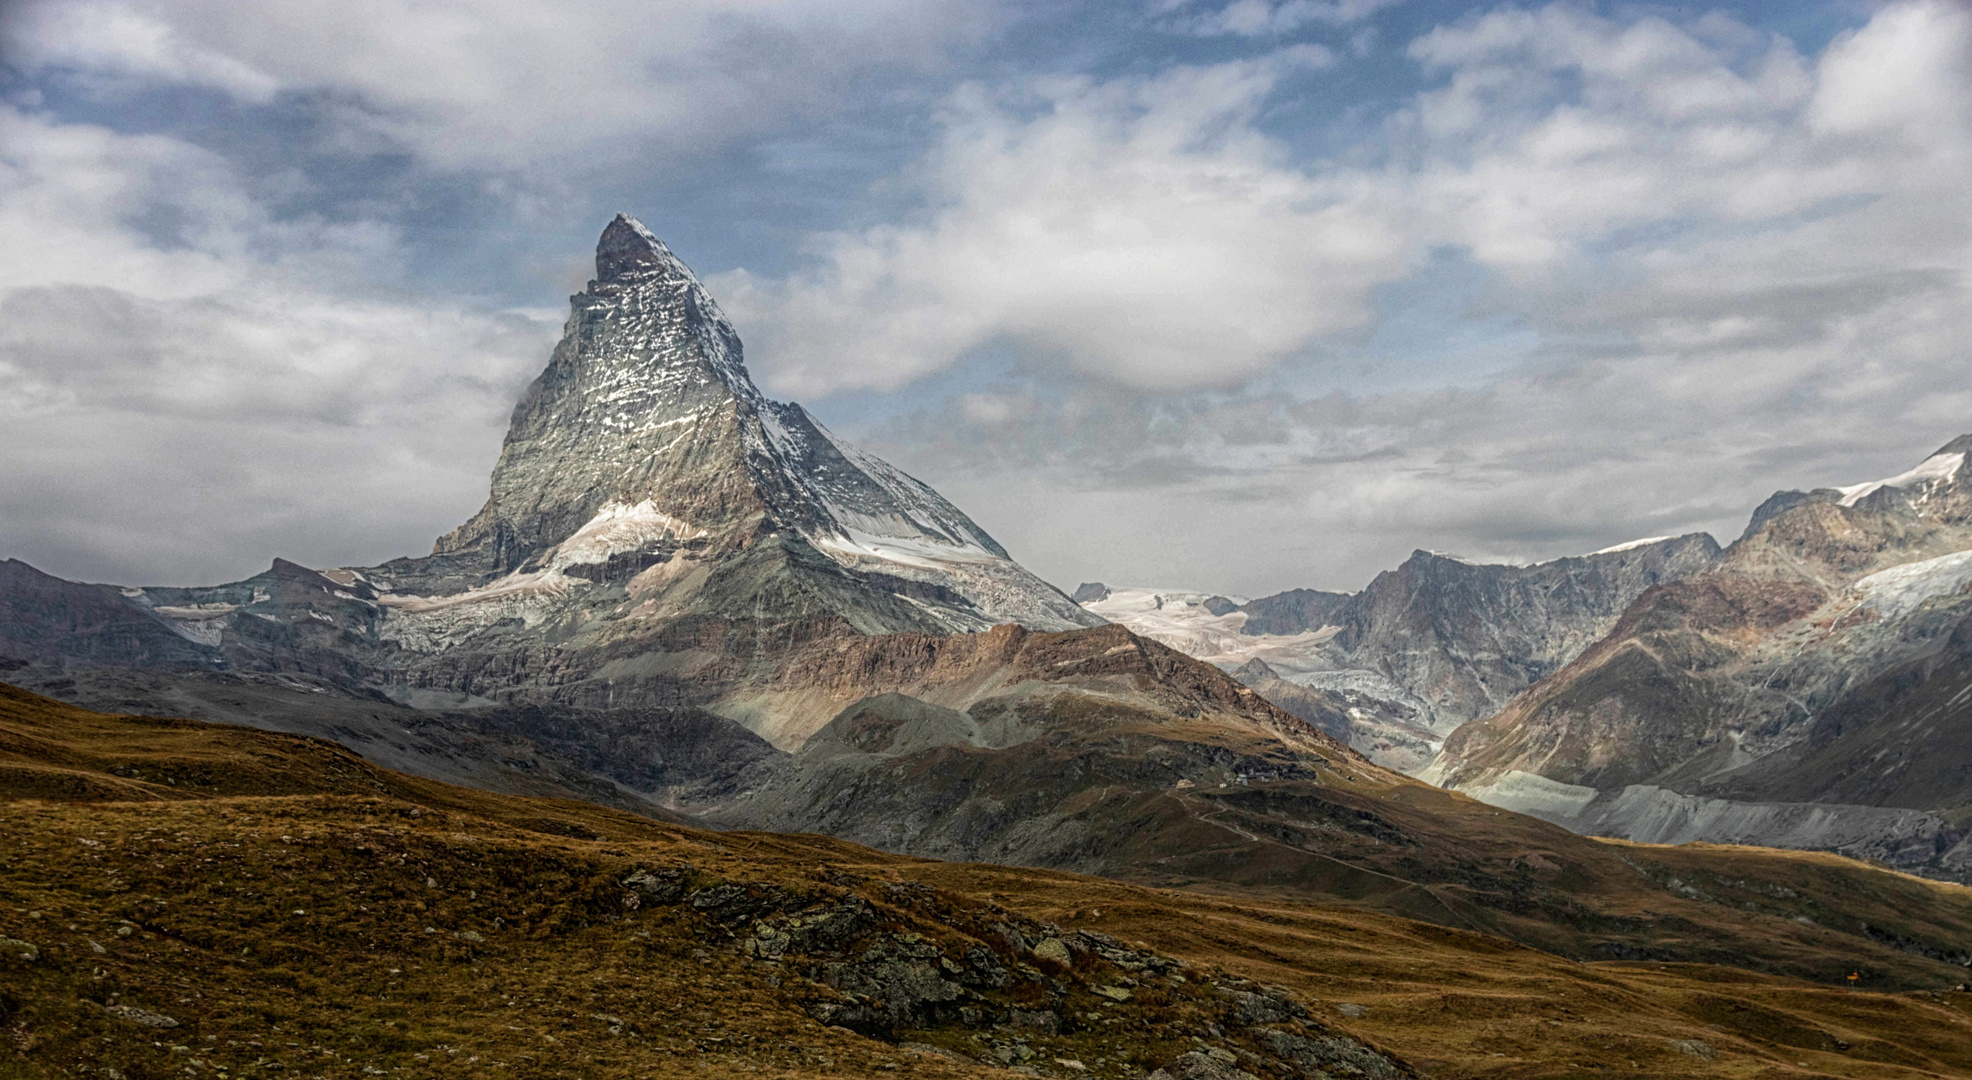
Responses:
[627,249]
[645,428]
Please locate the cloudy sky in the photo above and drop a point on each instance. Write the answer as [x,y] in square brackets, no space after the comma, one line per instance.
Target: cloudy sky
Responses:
[1237,297]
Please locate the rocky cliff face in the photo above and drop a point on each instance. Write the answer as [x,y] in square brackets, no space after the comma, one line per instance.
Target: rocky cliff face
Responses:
[1426,647]
[1463,639]
[1292,612]
[1817,664]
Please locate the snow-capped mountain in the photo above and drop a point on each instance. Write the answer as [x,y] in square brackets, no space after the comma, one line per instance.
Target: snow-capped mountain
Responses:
[645,434]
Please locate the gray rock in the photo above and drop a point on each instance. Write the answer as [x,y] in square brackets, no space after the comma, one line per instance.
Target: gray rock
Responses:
[1734,705]
[1044,1020]
[659,886]
[1210,1064]
[141,1017]
[1704,1051]
[1332,1055]
[1462,639]
[1053,949]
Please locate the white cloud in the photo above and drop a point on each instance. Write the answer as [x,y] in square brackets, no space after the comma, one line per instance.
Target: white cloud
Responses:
[1887,77]
[1770,252]
[1140,230]
[505,83]
[124,44]
[1147,233]
[190,411]
[1668,127]
[1769,256]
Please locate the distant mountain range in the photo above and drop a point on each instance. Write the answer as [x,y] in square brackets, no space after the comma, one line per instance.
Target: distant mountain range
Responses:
[1812,687]
[659,535]
[1425,648]
[1808,686]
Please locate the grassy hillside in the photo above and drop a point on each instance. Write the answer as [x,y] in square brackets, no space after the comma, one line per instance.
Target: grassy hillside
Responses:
[194,900]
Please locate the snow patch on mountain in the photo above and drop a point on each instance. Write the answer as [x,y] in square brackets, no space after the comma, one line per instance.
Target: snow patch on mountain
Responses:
[431,624]
[208,630]
[1900,590]
[923,513]
[1934,468]
[517,585]
[1632,545]
[196,612]
[617,528]
[852,545]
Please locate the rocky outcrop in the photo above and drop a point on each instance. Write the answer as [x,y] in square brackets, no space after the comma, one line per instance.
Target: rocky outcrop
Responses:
[906,963]
[1292,612]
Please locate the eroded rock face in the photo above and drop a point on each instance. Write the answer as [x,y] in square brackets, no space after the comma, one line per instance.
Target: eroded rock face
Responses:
[1383,729]
[1464,639]
[1820,662]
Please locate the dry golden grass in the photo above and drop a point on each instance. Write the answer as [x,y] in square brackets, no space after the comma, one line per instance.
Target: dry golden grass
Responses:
[298,912]
[1461,1004]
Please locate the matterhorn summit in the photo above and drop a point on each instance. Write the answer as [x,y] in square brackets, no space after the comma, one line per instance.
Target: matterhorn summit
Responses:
[664,552]
[645,440]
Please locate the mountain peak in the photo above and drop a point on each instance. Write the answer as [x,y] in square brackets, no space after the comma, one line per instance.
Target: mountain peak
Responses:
[1960,445]
[627,249]
[1255,670]
[644,441]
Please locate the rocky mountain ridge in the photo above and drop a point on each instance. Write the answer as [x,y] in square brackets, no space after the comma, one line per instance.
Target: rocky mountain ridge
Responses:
[1807,688]
[1424,648]
[644,441]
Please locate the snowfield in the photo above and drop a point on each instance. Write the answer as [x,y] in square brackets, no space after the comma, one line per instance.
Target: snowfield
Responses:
[1182,621]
